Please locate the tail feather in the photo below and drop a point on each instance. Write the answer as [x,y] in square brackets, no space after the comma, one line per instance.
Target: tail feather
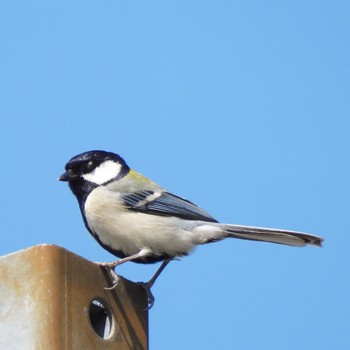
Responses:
[292,238]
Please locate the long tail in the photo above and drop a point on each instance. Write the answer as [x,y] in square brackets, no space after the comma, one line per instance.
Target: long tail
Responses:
[293,238]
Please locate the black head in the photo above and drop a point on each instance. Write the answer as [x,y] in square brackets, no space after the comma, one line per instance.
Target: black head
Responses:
[95,167]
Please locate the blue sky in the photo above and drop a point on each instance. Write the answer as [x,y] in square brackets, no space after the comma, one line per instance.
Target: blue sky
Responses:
[241,107]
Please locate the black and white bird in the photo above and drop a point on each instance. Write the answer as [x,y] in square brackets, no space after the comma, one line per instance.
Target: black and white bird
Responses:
[137,220]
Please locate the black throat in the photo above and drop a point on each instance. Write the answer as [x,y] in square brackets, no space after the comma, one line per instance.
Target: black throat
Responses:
[81,189]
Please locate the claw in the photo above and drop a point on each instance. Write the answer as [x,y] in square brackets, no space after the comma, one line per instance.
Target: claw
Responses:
[148,285]
[150,297]
[115,278]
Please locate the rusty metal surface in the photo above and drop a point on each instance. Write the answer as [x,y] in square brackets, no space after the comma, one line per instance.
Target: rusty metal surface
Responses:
[45,303]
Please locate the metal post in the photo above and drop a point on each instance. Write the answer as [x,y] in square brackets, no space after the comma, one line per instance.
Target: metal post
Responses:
[52,299]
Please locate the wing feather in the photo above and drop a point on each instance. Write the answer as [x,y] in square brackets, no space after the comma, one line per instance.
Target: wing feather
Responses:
[165,203]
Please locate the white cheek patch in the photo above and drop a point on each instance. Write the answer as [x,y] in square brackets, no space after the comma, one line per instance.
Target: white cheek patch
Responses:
[104,172]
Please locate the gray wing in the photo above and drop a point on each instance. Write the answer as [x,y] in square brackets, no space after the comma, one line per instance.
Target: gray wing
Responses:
[165,204]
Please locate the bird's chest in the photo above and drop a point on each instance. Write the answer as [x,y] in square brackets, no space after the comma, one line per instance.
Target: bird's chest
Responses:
[129,231]
[110,221]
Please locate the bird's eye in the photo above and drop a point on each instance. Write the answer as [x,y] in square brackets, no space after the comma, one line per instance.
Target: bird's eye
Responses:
[90,166]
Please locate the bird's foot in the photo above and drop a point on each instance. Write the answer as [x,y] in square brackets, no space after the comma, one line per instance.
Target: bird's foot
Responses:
[109,267]
[115,280]
[150,298]
[148,285]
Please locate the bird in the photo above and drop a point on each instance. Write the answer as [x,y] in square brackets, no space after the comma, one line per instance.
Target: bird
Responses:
[137,220]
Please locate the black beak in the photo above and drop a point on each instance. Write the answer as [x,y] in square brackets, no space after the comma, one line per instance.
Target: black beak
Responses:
[68,176]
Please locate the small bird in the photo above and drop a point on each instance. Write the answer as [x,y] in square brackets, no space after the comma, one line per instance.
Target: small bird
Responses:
[137,220]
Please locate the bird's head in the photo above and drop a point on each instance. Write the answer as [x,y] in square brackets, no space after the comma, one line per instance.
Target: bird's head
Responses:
[95,167]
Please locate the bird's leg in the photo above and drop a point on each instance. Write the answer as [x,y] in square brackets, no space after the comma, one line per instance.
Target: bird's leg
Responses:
[110,266]
[151,282]
[148,285]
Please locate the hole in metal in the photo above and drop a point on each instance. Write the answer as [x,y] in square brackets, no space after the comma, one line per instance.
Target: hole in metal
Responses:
[101,319]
